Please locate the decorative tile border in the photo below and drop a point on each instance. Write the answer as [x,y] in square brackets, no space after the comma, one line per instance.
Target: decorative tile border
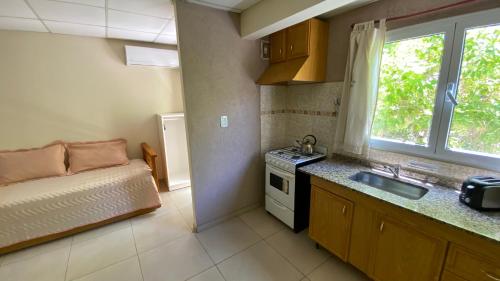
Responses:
[270,112]
[300,111]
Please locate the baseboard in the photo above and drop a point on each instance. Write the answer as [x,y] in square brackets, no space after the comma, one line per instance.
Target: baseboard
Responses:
[236,213]
[179,185]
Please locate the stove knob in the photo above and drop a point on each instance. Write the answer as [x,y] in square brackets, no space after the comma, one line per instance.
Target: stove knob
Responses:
[470,186]
[467,200]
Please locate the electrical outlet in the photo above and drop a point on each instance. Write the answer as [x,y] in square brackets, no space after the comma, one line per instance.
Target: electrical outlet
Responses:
[224,121]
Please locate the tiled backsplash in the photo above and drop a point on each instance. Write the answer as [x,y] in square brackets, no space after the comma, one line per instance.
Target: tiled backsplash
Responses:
[272,117]
[449,174]
[290,112]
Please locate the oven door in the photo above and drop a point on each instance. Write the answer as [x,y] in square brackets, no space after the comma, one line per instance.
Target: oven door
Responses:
[280,185]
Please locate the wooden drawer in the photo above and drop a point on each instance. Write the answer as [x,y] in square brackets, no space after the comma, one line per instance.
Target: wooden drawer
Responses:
[471,265]
[448,276]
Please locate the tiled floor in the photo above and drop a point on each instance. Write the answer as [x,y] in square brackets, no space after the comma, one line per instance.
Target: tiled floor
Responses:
[160,246]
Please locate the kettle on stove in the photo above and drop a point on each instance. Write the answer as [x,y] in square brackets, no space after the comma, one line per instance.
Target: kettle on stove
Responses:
[307,144]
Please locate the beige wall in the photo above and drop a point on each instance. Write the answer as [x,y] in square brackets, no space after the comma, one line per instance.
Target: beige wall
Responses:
[218,73]
[76,89]
[340,26]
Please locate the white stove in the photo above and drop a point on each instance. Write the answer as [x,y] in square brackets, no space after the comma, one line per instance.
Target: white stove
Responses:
[290,158]
[288,191]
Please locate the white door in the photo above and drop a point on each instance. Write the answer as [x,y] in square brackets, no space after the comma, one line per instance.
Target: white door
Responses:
[175,150]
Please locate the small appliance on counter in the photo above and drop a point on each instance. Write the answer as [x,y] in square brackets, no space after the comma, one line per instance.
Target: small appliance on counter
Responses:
[288,190]
[481,193]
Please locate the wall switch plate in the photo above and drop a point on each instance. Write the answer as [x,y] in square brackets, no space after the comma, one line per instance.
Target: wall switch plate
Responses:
[224,122]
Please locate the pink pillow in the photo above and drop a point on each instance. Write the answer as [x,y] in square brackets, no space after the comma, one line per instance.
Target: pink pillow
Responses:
[27,164]
[84,156]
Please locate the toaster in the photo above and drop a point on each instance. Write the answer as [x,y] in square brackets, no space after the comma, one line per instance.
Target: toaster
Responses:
[481,193]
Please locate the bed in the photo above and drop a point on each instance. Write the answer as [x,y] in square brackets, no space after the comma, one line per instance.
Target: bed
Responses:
[41,210]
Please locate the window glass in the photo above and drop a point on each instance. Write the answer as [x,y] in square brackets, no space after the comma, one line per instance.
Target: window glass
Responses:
[475,125]
[408,82]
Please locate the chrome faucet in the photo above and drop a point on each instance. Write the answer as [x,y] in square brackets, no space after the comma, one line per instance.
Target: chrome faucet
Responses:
[395,170]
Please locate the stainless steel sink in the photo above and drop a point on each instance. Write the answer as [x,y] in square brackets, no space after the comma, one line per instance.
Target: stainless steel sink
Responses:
[391,185]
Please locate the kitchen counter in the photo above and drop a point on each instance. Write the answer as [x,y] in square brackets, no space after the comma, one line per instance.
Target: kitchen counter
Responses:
[440,203]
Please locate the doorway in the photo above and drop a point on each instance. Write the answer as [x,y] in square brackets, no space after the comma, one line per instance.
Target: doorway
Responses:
[175,160]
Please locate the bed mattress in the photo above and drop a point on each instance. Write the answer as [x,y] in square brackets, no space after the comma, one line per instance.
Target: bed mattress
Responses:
[38,208]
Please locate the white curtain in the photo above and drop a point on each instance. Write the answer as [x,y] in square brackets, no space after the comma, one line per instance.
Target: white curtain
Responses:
[359,95]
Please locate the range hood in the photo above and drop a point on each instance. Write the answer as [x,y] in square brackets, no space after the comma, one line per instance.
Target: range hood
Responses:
[290,71]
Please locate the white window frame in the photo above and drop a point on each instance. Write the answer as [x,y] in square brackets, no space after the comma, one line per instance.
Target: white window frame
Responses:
[454,30]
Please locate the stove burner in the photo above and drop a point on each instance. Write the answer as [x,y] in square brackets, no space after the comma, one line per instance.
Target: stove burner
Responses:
[293,155]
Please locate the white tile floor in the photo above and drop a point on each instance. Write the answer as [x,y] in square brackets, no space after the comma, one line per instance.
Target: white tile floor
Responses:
[160,246]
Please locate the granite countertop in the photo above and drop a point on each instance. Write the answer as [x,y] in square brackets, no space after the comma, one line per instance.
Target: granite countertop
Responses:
[440,203]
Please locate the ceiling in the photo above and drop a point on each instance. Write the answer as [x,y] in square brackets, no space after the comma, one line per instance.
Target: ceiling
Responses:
[348,7]
[141,20]
[229,5]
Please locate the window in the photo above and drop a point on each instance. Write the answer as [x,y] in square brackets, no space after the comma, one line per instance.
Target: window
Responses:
[439,91]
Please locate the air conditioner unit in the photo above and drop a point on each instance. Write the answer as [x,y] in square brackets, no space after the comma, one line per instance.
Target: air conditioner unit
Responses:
[151,56]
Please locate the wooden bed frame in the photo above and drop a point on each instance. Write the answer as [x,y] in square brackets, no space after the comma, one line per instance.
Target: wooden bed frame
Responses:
[149,155]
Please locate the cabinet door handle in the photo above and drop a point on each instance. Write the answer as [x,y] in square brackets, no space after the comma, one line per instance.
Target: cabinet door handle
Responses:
[343,210]
[281,51]
[490,276]
[291,48]
[381,226]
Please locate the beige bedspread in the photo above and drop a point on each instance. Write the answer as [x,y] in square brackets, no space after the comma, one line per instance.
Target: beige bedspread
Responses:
[42,207]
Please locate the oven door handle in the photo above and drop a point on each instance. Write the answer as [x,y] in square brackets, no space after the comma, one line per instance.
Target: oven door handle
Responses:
[286,175]
[286,186]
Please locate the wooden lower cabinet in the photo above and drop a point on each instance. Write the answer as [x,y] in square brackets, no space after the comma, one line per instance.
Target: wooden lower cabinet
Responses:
[448,276]
[361,237]
[330,221]
[388,243]
[401,252]
[471,265]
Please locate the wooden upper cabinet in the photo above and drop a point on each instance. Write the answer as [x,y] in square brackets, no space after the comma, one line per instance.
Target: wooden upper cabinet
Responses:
[298,40]
[278,46]
[401,252]
[330,221]
[298,54]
